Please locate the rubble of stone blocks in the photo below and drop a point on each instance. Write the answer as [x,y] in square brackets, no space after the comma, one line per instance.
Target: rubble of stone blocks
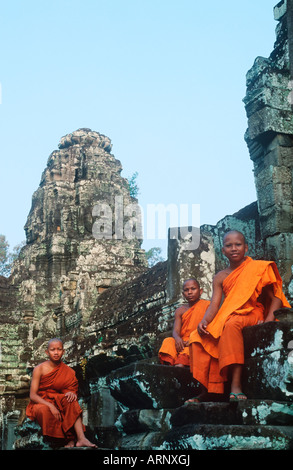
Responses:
[154,414]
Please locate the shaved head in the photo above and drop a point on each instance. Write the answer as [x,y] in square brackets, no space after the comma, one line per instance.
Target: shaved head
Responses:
[235,232]
[191,279]
[54,340]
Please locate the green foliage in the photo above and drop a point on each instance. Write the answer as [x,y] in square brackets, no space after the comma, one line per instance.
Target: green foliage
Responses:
[154,256]
[132,184]
[7,258]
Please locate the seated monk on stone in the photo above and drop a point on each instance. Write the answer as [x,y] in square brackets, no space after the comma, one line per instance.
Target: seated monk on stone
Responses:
[53,399]
[175,349]
[252,291]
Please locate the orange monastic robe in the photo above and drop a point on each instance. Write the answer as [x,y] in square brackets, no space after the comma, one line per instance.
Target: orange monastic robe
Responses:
[212,354]
[190,320]
[52,388]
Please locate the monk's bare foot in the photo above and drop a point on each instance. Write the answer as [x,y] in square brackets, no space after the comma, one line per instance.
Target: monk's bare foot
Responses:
[84,442]
[192,400]
[203,396]
[70,444]
[237,396]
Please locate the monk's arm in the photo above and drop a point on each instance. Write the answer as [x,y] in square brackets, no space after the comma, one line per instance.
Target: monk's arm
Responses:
[275,303]
[71,389]
[213,308]
[179,344]
[36,398]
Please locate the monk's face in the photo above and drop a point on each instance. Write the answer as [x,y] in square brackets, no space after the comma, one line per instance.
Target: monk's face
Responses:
[191,291]
[55,351]
[234,247]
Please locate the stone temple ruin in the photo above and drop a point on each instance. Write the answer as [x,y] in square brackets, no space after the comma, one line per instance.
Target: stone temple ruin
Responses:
[113,311]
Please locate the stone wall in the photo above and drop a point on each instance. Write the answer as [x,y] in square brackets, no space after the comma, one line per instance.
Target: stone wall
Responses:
[64,266]
[268,104]
[207,259]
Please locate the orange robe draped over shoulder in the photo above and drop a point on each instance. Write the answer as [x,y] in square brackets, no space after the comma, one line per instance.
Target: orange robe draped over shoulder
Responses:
[212,354]
[190,320]
[52,388]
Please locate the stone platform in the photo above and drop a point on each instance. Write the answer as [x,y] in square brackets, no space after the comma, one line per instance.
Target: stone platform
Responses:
[147,403]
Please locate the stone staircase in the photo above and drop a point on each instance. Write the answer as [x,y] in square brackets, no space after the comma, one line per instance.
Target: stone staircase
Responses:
[210,426]
[254,424]
[155,419]
[154,415]
[147,403]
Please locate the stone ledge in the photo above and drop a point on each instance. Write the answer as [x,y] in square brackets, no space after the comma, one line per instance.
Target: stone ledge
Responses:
[145,386]
[228,437]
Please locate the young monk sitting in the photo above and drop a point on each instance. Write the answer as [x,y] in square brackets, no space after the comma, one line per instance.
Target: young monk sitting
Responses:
[175,349]
[53,399]
[252,292]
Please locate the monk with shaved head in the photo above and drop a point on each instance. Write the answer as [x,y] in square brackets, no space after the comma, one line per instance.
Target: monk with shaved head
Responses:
[53,399]
[246,293]
[174,350]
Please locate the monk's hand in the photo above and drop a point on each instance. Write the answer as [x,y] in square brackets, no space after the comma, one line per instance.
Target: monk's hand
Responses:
[179,344]
[55,412]
[201,328]
[71,396]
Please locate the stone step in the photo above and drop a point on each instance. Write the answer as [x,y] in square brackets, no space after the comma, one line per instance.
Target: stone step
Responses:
[212,437]
[143,385]
[251,424]
[248,412]
[228,437]
[268,373]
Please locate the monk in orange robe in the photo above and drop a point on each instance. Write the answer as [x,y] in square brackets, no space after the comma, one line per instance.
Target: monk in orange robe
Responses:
[53,399]
[252,291]
[175,349]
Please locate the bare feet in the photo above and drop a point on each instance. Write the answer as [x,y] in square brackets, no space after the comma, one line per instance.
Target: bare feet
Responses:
[237,396]
[192,400]
[70,444]
[84,442]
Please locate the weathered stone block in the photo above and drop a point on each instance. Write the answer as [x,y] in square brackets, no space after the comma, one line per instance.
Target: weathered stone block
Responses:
[145,386]
[138,421]
[266,412]
[251,412]
[184,263]
[276,219]
[29,437]
[206,413]
[227,437]
[268,369]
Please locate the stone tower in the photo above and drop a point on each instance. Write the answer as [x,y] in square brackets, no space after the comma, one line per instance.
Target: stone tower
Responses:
[269,137]
[66,263]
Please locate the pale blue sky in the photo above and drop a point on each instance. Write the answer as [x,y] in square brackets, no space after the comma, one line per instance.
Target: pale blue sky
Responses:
[163,79]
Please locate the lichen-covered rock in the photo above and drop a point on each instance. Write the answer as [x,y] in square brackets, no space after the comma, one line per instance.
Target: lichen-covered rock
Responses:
[227,437]
[64,267]
[147,386]
[268,104]
[268,359]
